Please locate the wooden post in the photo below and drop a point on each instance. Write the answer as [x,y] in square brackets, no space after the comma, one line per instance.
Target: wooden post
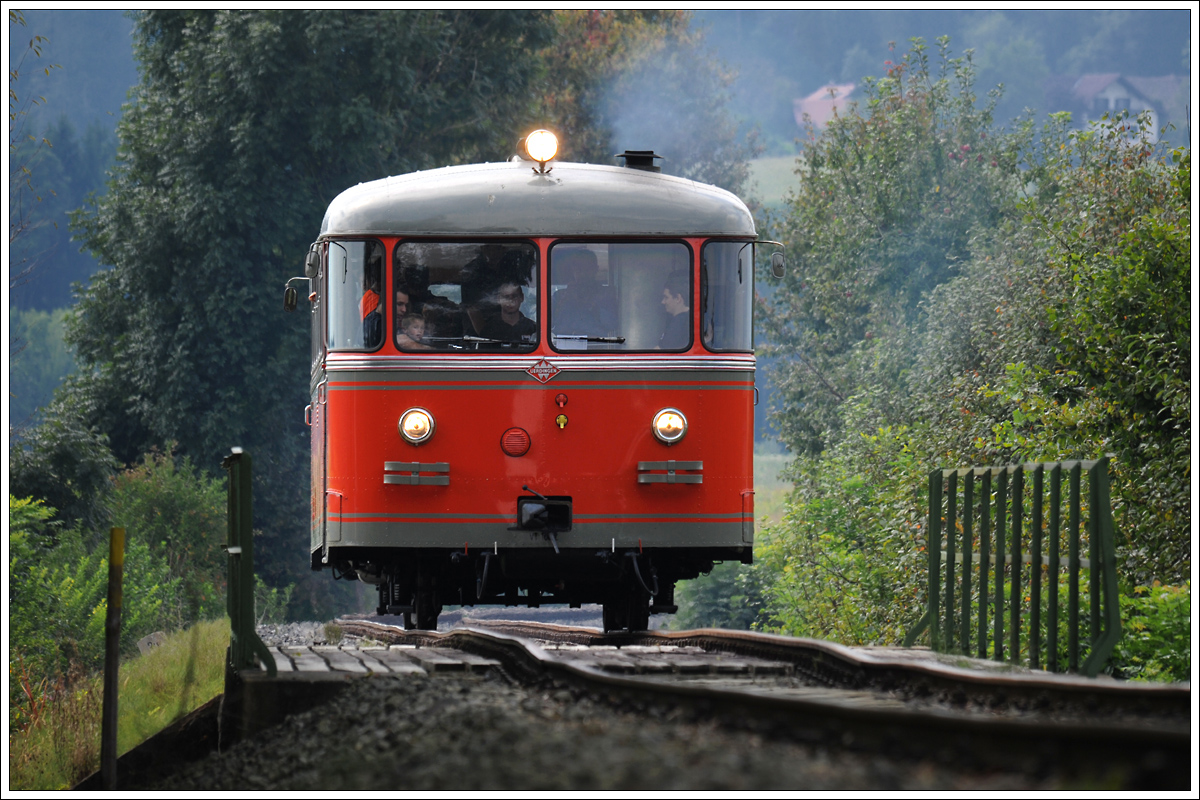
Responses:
[112,651]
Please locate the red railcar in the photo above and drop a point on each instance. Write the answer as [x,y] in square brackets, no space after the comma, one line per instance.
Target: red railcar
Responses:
[532,383]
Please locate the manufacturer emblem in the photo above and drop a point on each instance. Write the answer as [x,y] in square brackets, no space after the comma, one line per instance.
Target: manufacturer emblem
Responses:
[543,371]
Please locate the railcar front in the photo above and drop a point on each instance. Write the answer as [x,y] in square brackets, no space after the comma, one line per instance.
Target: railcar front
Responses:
[531,387]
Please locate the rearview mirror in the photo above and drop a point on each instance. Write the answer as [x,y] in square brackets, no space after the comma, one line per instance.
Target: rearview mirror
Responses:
[289,298]
[312,263]
[777,267]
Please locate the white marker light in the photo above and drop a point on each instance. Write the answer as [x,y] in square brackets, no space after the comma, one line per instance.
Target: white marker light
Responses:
[541,145]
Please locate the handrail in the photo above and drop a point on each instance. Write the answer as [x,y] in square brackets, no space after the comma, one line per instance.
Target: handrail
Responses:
[1001,564]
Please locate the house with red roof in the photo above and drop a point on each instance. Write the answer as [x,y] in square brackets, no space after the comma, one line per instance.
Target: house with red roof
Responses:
[821,105]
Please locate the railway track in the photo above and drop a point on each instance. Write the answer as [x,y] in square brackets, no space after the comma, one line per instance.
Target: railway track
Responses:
[1098,732]
[518,705]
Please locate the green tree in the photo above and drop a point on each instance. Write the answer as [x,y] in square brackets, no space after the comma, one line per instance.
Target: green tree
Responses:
[1117,216]
[64,462]
[21,191]
[41,361]
[889,198]
[243,128]
[1065,334]
[65,173]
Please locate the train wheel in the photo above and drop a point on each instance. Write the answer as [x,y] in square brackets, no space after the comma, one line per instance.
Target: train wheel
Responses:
[428,608]
[629,610]
[614,614]
[639,611]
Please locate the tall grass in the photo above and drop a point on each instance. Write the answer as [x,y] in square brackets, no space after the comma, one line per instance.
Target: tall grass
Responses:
[61,745]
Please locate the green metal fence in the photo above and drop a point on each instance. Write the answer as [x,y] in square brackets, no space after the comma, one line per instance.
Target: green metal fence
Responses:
[244,644]
[998,520]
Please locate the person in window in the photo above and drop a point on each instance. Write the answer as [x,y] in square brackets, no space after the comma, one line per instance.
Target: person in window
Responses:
[443,317]
[584,307]
[677,332]
[412,333]
[372,315]
[507,323]
[403,305]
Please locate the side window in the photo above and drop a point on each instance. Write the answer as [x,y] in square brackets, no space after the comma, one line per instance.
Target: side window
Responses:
[355,284]
[317,310]
[727,296]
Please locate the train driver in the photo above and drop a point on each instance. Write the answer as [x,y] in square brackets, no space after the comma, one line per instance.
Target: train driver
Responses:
[507,323]
[584,306]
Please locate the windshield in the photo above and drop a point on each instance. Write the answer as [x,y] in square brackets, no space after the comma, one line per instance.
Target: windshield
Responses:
[620,296]
[465,296]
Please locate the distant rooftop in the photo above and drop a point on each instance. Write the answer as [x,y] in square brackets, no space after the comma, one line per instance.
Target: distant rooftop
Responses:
[821,104]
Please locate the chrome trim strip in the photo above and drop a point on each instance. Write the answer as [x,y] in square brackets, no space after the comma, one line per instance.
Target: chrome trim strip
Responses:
[671,465]
[415,466]
[443,387]
[409,473]
[509,517]
[417,480]
[341,363]
[670,477]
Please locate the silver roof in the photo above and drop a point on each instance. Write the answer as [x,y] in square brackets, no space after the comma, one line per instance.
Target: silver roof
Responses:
[510,199]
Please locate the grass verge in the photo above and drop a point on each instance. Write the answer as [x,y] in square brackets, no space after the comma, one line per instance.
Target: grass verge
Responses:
[62,746]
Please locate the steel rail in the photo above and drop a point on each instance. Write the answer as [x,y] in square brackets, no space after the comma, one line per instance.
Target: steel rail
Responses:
[1066,725]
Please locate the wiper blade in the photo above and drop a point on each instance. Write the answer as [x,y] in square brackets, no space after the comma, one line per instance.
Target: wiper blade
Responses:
[579,337]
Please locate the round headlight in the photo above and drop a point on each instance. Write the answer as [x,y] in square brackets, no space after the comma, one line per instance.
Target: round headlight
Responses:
[541,145]
[416,425]
[669,425]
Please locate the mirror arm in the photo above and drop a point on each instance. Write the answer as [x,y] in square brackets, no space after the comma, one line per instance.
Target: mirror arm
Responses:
[289,292]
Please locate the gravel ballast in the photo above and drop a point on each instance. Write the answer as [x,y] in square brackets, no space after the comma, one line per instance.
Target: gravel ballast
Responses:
[472,732]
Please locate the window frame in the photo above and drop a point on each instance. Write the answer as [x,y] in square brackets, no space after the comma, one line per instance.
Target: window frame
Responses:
[692,287]
[751,243]
[525,348]
[327,294]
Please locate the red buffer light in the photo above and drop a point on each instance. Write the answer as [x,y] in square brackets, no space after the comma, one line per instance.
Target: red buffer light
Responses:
[515,442]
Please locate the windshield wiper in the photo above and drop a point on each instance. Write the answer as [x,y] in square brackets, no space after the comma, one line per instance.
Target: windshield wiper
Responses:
[579,337]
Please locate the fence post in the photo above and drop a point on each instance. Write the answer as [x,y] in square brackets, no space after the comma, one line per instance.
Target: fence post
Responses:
[934,543]
[1035,573]
[951,555]
[244,644]
[1014,592]
[1103,646]
[112,654]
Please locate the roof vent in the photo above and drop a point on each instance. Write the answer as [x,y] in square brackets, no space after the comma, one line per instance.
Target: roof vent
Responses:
[640,159]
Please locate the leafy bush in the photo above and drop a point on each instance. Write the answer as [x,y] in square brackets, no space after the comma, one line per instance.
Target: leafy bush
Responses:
[847,560]
[180,513]
[1156,634]
[58,598]
[271,603]
[729,597]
